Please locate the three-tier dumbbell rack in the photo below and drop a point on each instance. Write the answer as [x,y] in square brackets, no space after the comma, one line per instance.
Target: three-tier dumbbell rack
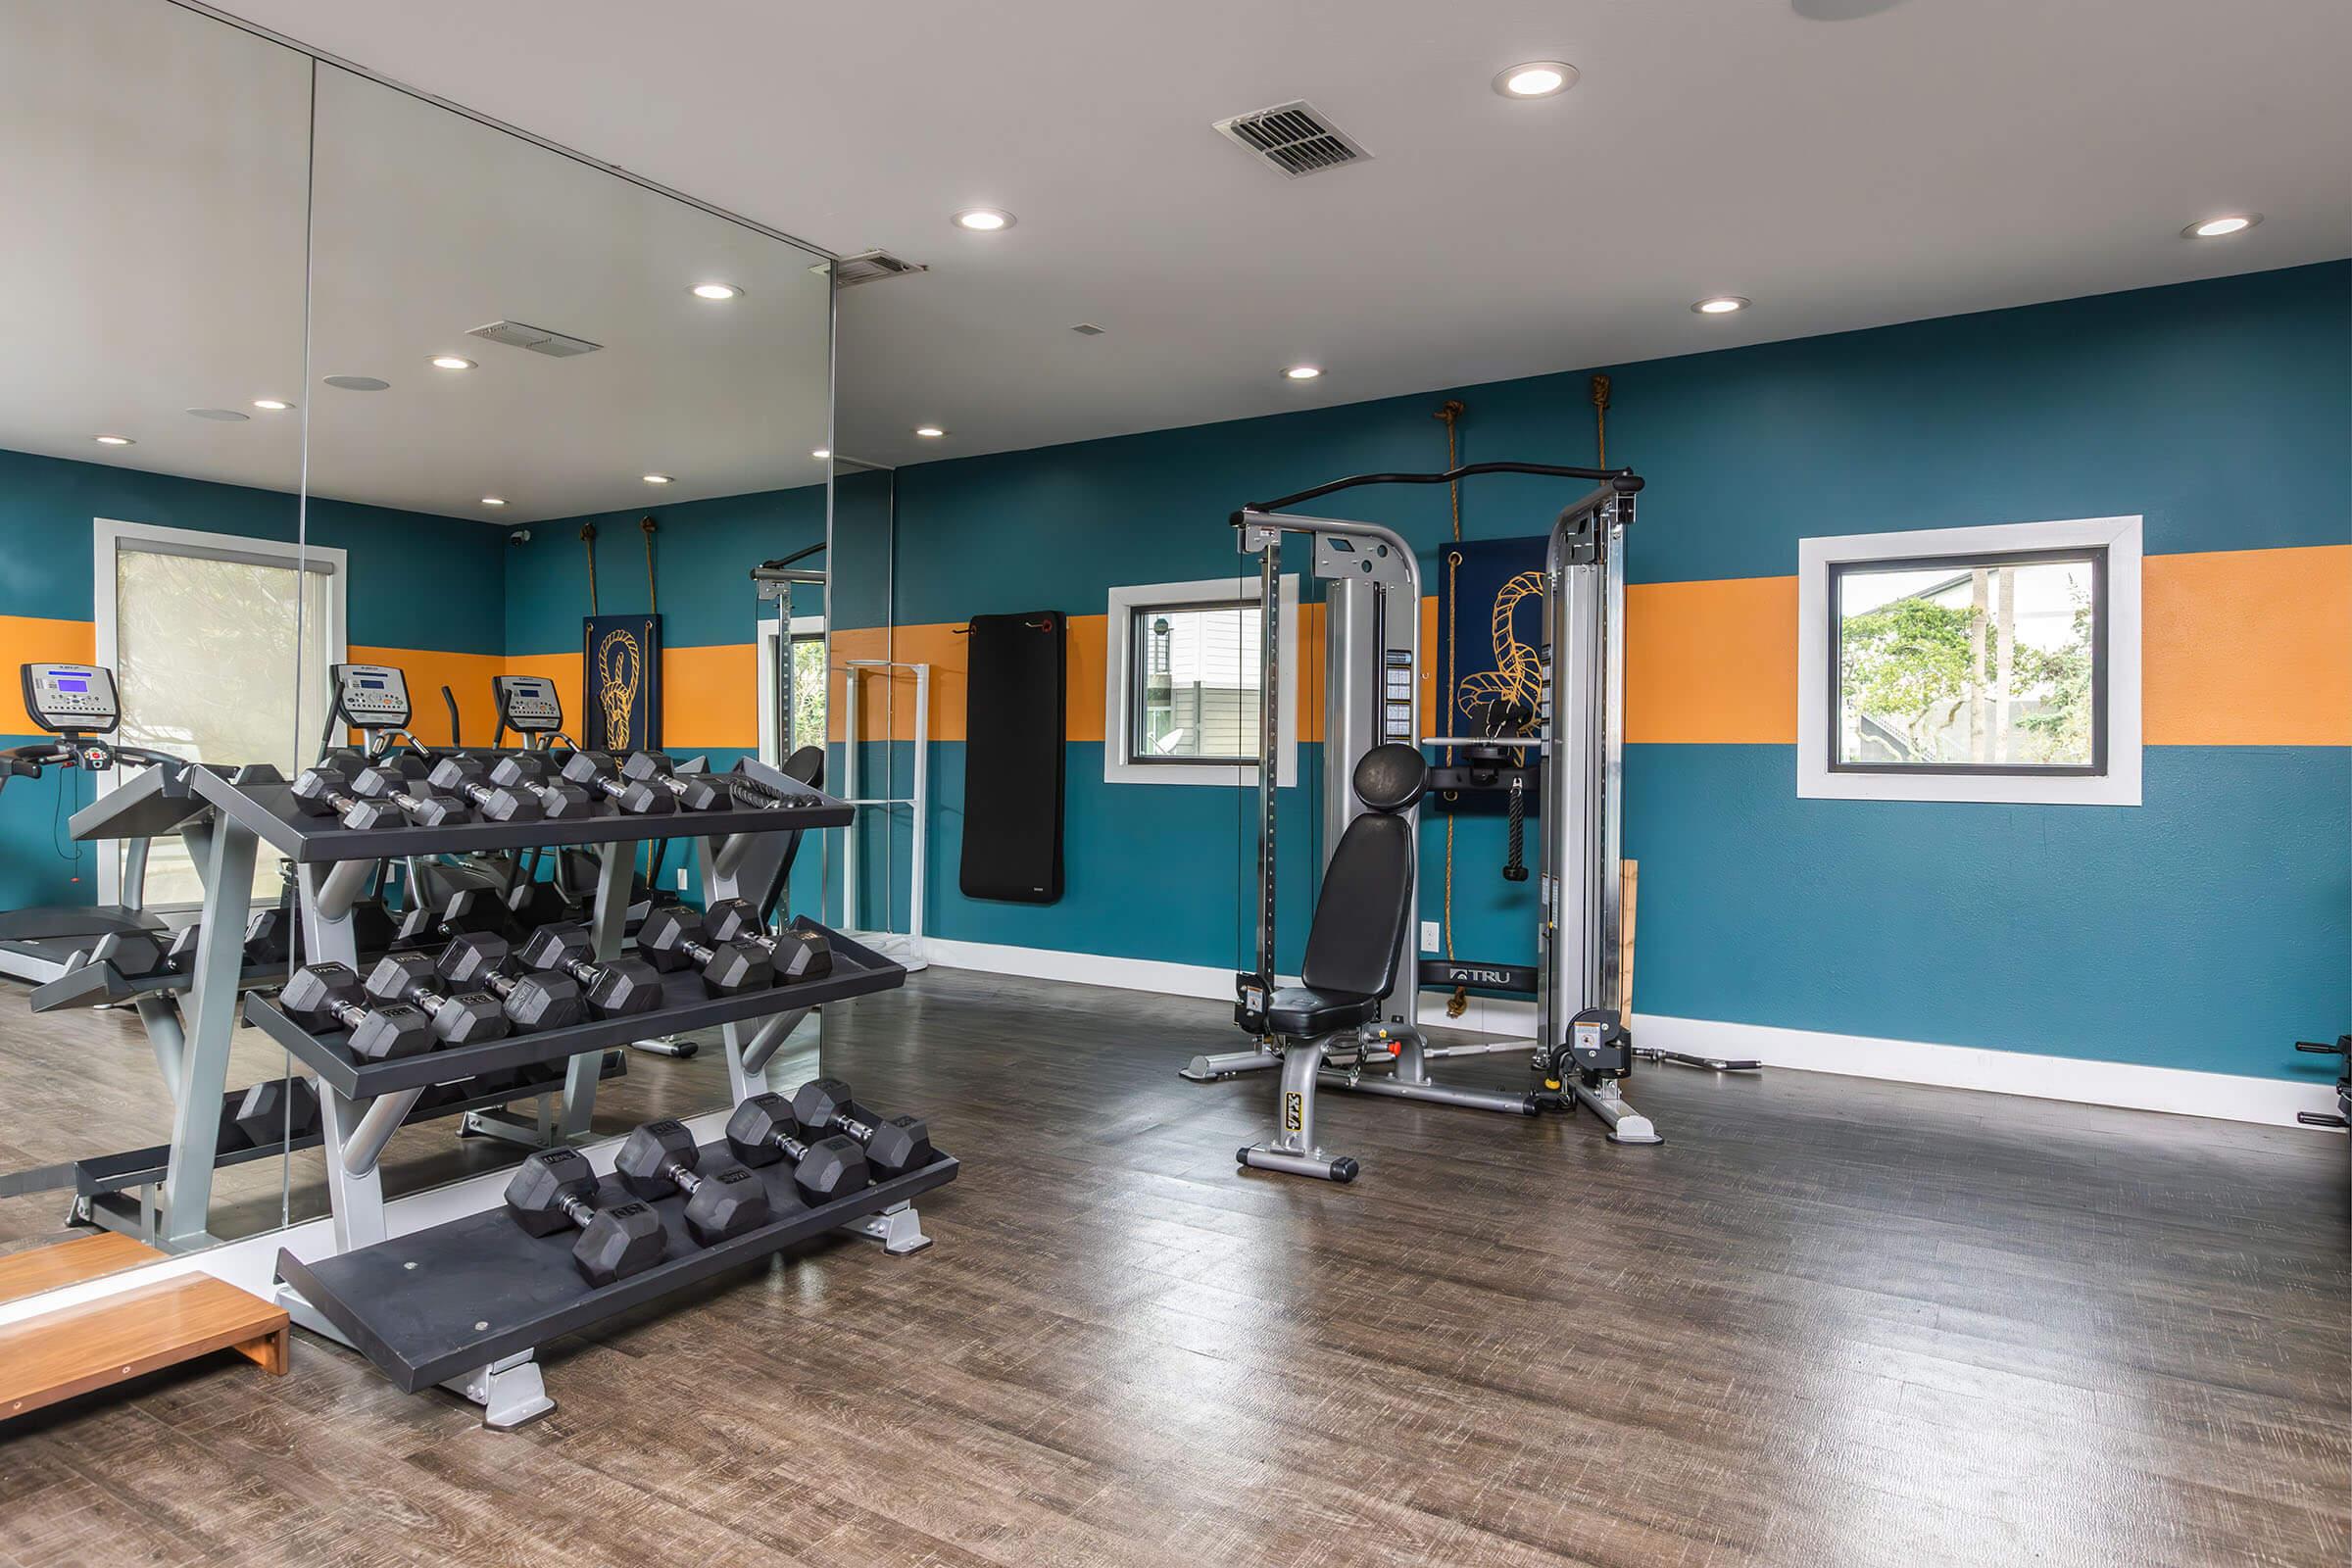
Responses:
[464,1302]
[163,1195]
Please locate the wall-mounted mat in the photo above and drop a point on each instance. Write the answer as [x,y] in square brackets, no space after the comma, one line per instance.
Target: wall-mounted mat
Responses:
[1014,722]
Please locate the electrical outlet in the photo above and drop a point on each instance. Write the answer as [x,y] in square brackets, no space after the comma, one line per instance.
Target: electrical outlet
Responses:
[681,879]
[1429,936]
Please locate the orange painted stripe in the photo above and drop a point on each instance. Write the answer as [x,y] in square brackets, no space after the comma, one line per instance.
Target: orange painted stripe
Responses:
[2247,648]
[1711,662]
[30,640]
[710,697]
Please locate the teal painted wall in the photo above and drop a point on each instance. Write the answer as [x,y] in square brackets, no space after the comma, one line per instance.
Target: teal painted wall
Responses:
[416,581]
[2202,929]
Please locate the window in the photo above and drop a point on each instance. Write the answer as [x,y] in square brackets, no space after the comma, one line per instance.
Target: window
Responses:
[1195,698]
[1997,664]
[1183,693]
[201,630]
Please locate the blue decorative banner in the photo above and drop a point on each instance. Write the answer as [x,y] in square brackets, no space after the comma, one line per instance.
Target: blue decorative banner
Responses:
[1490,629]
[620,698]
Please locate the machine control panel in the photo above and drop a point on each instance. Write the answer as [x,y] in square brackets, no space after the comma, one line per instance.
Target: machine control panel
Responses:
[527,703]
[371,696]
[71,699]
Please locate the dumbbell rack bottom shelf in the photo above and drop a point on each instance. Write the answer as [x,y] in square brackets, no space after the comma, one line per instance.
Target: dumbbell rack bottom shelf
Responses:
[857,971]
[445,1301]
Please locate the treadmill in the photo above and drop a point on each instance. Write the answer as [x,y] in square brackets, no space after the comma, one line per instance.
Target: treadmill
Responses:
[78,704]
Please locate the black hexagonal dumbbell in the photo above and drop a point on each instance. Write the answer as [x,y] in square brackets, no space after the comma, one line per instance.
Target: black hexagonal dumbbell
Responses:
[672,938]
[465,1019]
[527,772]
[720,1204]
[594,770]
[544,999]
[328,994]
[465,776]
[763,1130]
[413,796]
[326,791]
[277,1108]
[614,990]
[695,792]
[894,1147]
[793,954]
[556,1188]
[133,953]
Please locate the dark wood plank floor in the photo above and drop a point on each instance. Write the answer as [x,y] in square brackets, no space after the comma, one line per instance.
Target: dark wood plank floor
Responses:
[1830,1322]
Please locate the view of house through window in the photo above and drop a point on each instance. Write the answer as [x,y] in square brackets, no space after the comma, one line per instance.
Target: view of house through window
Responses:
[1196,674]
[1972,662]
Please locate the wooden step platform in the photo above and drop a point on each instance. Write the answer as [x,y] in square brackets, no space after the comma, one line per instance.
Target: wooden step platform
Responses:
[59,1355]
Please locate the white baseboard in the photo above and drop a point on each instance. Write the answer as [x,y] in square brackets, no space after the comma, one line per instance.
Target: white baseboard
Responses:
[2125,1085]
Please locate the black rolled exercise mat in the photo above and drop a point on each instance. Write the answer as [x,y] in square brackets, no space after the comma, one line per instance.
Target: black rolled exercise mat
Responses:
[1015,724]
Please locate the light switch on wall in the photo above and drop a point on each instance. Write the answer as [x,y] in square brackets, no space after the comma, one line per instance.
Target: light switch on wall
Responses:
[1429,936]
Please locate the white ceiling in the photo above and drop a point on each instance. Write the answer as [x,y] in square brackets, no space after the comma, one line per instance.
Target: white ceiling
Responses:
[1934,157]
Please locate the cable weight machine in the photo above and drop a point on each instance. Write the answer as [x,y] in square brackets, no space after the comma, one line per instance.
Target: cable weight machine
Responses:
[1572,763]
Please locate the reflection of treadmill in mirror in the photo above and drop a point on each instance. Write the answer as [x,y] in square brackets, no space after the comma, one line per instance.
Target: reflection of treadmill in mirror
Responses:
[78,704]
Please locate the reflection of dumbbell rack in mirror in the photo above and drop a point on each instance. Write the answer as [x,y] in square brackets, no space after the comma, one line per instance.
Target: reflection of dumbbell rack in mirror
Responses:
[458,1000]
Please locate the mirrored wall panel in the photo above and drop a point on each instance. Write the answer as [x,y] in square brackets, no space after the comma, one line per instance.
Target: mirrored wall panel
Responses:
[153,606]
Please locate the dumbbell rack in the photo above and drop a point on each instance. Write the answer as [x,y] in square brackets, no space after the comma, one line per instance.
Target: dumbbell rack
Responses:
[363,1103]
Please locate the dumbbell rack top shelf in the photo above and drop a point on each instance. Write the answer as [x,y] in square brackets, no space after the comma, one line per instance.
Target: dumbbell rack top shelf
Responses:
[270,812]
[857,971]
[461,1295]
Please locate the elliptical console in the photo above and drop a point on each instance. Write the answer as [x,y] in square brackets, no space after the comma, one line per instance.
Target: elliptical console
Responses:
[528,706]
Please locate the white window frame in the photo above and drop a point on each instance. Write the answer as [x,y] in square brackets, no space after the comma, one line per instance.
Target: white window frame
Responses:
[2119,785]
[110,536]
[771,635]
[1118,685]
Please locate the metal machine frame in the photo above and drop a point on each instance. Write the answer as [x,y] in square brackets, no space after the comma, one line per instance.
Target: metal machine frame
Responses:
[1372,620]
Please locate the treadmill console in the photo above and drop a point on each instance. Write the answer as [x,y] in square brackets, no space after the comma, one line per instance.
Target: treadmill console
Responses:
[527,704]
[370,697]
[71,699]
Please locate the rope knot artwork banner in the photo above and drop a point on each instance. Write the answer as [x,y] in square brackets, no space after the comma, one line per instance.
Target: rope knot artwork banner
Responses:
[1493,620]
[622,701]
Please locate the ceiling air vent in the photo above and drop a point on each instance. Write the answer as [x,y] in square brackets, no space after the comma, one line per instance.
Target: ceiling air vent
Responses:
[870,267]
[538,339]
[1293,138]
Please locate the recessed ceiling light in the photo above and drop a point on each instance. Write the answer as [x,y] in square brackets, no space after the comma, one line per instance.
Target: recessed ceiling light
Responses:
[358,383]
[452,362]
[222,416]
[116,441]
[1303,373]
[273,405]
[716,291]
[1536,78]
[494,500]
[821,454]
[984,219]
[2220,227]
[929,432]
[1720,305]
[658,479]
